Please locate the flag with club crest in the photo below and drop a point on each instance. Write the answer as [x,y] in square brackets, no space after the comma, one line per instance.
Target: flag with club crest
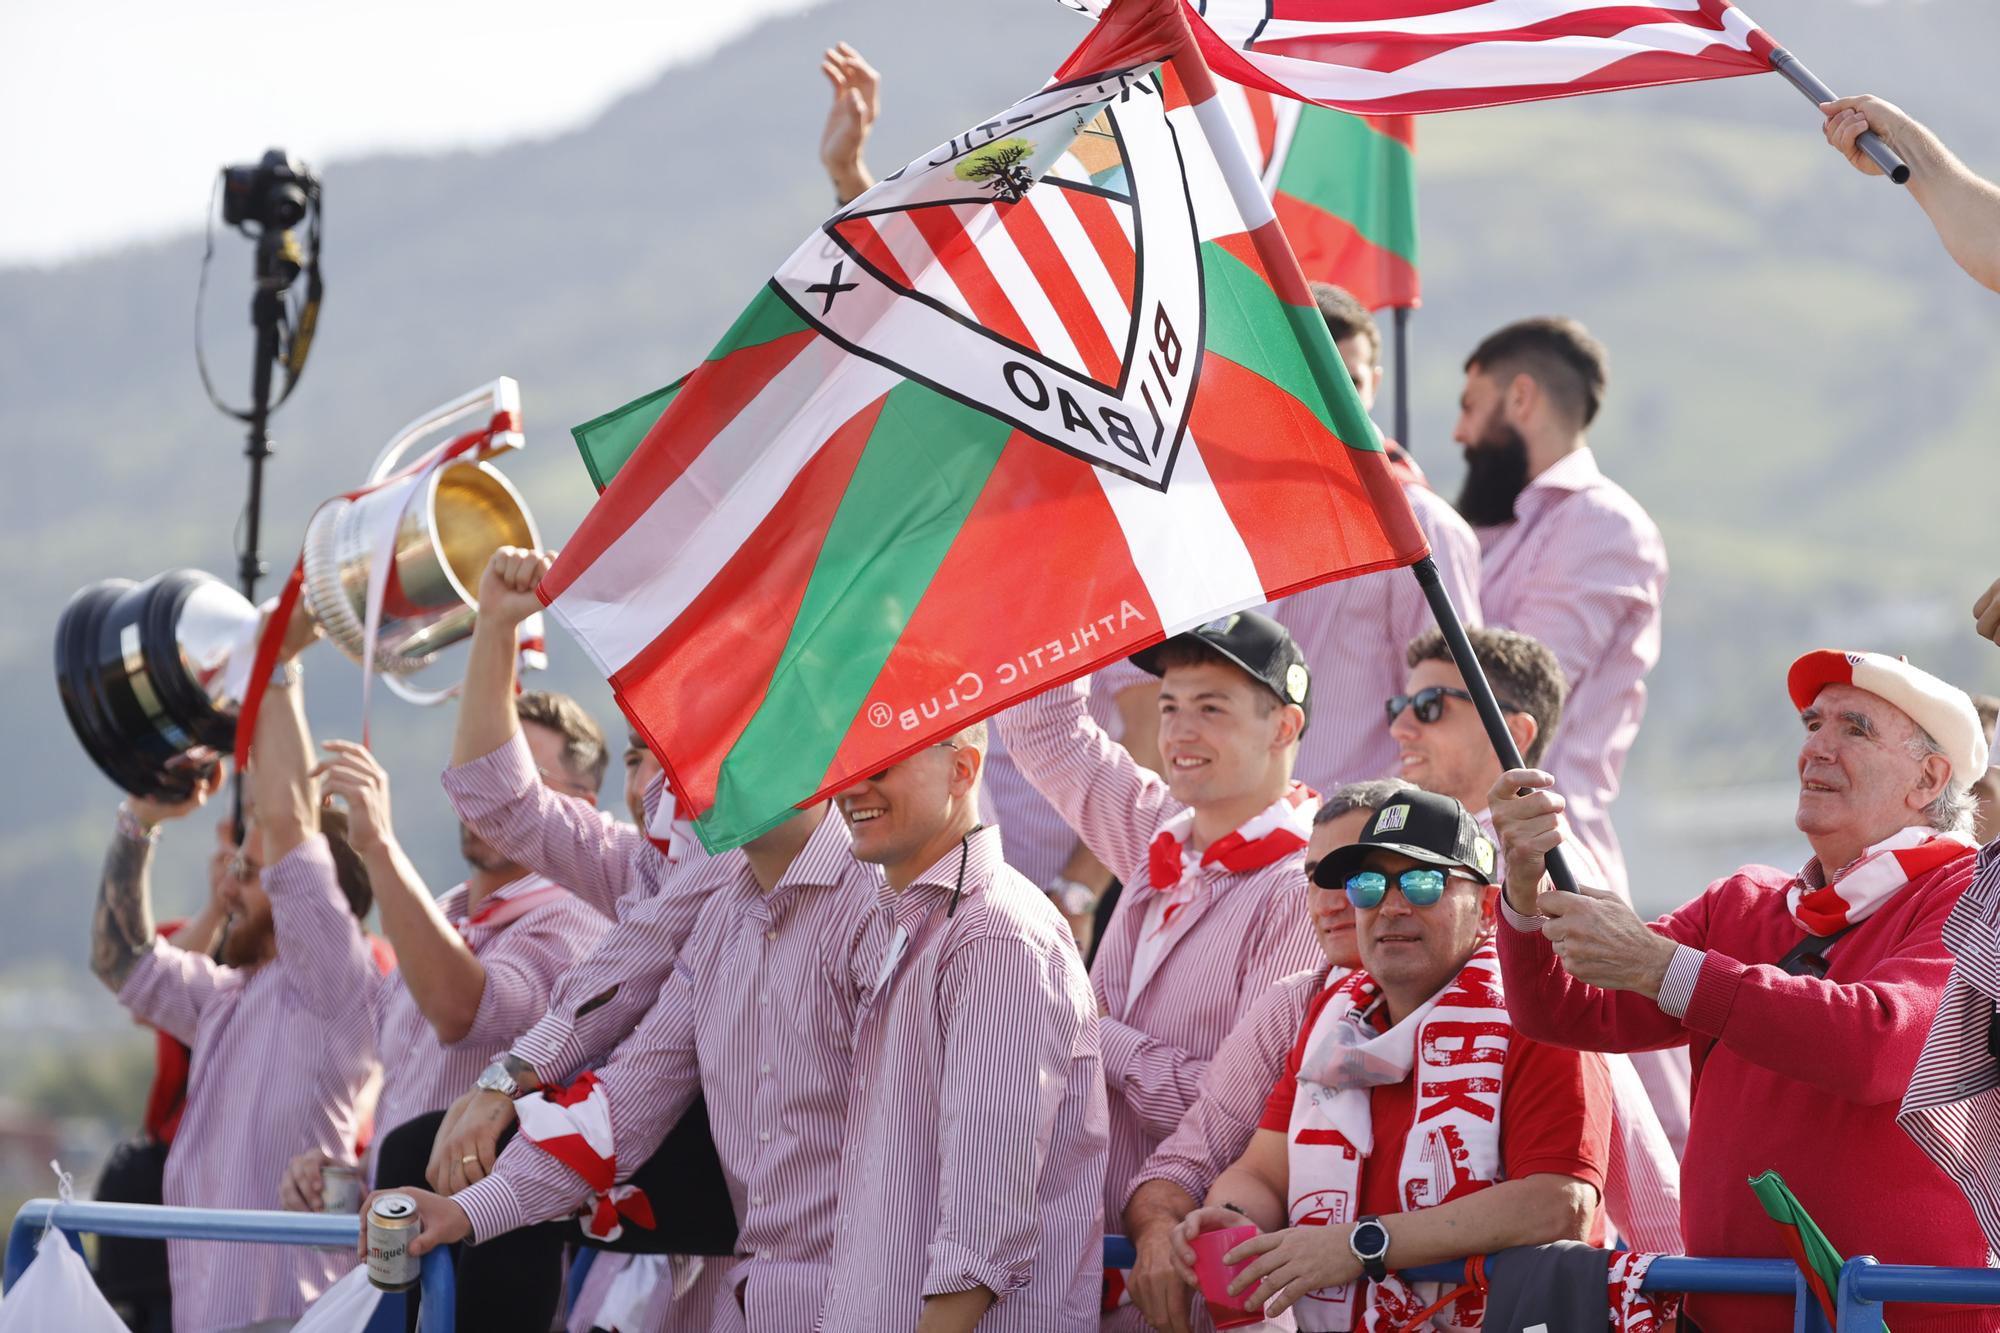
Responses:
[1030,404]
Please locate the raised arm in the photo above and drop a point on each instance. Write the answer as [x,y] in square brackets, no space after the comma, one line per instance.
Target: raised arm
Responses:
[444,977]
[171,995]
[320,945]
[1963,207]
[1111,802]
[857,100]
[492,783]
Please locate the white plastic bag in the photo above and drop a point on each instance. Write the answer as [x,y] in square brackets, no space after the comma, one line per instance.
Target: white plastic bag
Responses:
[344,1307]
[57,1291]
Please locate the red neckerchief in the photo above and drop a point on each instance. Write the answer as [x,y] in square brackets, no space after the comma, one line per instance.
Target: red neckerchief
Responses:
[1403,467]
[1275,833]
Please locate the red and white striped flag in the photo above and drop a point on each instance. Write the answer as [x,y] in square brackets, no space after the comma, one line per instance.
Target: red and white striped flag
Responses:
[1401,57]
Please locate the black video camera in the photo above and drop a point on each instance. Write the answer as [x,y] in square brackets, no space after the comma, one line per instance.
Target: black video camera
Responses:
[273,194]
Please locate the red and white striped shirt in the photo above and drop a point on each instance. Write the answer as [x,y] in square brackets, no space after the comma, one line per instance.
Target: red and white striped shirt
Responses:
[1224,1118]
[1038,842]
[281,1053]
[758,1016]
[591,852]
[522,959]
[1353,633]
[1245,930]
[976,1116]
[1952,1108]
[601,997]
[1583,568]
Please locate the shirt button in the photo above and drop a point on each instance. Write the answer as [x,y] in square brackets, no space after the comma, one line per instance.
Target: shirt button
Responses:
[765,1071]
[770,934]
[757,1199]
[764,1136]
[763,999]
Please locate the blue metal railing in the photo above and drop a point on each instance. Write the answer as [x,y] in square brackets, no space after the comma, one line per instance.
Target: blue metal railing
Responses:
[324,1231]
[1864,1284]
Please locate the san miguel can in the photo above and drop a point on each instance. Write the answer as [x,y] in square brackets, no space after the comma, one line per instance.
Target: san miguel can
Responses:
[392,1225]
[340,1189]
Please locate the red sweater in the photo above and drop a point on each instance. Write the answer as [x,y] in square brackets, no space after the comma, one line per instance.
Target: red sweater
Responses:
[1791,1073]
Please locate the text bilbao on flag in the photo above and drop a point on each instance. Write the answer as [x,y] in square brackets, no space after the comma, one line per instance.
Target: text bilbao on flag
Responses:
[1405,57]
[1028,405]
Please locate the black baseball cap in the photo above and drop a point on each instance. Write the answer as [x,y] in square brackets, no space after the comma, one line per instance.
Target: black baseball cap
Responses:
[1423,826]
[1254,642]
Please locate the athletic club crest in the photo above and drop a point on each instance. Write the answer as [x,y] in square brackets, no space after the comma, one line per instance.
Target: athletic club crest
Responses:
[1043,267]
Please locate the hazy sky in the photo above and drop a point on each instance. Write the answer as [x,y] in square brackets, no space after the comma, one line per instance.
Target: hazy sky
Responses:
[118,113]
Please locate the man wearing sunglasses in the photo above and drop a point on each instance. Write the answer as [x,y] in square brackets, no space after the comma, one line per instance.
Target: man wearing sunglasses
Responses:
[1411,1123]
[1214,908]
[1219,1126]
[1804,998]
[1442,747]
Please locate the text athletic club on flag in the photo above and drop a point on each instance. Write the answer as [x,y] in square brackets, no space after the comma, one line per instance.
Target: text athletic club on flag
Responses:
[1030,404]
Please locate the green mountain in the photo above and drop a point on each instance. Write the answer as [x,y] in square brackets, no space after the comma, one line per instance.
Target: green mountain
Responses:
[1801,390]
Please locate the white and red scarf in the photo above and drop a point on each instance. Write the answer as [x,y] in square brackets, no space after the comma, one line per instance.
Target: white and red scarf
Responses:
[505,907]
[1875,877]
[573,1125]
[1282,828]
[1455,1048]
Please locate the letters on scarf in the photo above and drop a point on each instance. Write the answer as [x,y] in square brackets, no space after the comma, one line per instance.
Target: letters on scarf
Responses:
[1455,1048]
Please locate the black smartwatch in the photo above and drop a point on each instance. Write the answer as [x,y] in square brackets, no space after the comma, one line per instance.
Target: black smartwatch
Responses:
[1370,1242]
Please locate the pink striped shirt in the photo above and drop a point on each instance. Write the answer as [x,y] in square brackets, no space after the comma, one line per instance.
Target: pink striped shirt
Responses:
[976,1115]
[1353,633]
[522,960]
[1583,569]
[1245,930]
[1224,1118]
[281,1052]
[601,997]
[591,852]
[758,1016]
[1952,1108]
[1038,842]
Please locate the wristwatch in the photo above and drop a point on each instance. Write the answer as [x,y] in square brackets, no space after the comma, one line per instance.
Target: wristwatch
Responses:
[511,1077]
[1072,898]
[1370,1242]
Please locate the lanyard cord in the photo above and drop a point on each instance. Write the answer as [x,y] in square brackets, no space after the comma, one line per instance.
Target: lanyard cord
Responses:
[964,852]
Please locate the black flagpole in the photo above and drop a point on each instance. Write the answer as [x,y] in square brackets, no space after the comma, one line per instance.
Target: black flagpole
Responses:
[1481,691]
[1403,376]
[1818,93]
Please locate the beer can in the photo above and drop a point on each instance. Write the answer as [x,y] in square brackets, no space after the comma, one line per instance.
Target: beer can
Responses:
[340,1189]
[392,1225]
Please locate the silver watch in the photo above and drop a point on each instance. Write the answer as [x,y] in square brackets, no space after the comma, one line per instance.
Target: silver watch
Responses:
[495,1078]
[1072,898]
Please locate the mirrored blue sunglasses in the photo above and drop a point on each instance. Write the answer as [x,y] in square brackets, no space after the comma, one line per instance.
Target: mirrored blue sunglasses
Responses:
[1421,886]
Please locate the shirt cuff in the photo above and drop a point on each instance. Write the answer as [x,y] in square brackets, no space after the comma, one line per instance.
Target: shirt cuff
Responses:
[1521,921]
[1177,1171]
[552,1048]
[481,787]
[1677,989]
[954,1268]
[1119,1045]
[492,1207]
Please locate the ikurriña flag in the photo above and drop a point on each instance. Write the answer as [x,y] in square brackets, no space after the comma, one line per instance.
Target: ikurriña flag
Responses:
[1344,187]
[1030,404]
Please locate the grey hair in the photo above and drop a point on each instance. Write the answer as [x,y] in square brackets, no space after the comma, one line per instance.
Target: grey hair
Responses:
[1952,811]
[1370,796]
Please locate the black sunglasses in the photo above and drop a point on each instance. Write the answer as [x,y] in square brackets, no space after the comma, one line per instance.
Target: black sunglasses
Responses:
[1429,703]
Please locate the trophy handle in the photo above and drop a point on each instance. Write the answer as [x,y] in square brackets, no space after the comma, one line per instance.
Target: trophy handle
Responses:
[501,397]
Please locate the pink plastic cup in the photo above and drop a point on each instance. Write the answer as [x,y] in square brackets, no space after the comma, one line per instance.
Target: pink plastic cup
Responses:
[1227,1311]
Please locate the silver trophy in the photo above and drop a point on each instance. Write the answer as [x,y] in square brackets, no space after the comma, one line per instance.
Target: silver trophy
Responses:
[152,674]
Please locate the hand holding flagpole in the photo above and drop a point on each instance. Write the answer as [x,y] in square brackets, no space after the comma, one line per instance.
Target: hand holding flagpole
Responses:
[1803,79]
